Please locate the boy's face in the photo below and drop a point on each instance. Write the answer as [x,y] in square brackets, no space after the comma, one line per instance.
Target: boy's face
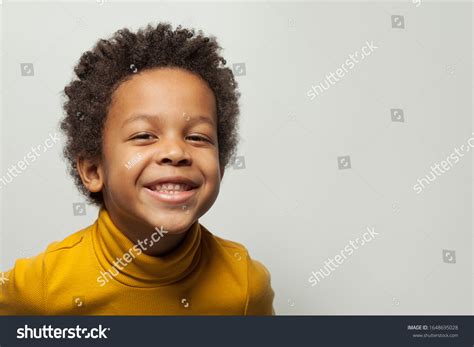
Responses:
[161,123]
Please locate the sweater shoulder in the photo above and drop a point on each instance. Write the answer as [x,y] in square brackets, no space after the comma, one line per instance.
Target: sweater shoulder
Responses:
[70,241]
[260,295]
[227,244]
[24,292]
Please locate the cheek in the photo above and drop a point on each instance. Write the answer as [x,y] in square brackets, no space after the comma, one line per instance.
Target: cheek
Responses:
[213,180]
[209,165]
[122,171]
[212,188]
[132,160]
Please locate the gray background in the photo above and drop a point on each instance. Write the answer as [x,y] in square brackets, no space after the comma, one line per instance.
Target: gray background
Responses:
[290,205]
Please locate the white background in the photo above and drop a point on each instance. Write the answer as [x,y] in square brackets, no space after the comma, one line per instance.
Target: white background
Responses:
[291,205]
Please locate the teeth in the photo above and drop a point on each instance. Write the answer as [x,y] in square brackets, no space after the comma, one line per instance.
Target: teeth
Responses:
[171,187]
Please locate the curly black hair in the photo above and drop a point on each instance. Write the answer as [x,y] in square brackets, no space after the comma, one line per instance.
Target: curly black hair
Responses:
[110,62]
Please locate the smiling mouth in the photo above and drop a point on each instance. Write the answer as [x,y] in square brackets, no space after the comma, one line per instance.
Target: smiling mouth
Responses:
[172,193]
[171,188]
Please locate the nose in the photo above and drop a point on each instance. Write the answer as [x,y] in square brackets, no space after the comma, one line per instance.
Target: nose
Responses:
[172,151]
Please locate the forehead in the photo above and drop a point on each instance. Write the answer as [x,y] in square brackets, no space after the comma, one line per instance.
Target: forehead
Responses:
[164,91]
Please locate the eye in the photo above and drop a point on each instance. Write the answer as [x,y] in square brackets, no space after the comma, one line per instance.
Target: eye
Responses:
[144,136]
[198,138]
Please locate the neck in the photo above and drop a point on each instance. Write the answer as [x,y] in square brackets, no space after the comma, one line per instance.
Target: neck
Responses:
[153,242]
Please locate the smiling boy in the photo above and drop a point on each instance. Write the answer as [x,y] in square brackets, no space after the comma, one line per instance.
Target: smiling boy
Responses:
[151,125]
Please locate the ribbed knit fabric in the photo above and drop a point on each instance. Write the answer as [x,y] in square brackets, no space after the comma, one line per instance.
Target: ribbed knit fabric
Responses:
[81,275]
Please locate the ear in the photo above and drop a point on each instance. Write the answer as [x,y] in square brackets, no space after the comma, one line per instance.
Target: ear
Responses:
[92,174]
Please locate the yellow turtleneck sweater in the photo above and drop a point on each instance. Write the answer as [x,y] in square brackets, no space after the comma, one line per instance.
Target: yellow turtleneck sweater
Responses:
[204,275]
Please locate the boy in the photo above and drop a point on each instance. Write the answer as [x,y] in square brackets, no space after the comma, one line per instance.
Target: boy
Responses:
[151,124]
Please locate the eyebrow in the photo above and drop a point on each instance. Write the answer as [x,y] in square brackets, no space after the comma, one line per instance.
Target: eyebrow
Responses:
[149,117]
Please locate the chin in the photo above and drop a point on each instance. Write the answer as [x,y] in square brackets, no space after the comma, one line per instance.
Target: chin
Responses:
[174,224]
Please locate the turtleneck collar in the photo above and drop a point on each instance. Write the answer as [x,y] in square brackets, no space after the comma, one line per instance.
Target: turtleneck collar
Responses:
[110,245]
